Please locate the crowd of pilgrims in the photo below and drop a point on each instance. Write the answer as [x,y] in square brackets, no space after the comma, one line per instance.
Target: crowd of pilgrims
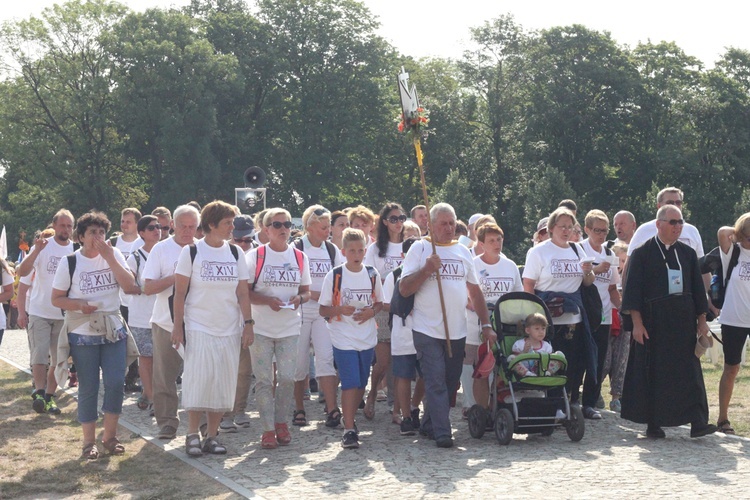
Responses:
[223,305]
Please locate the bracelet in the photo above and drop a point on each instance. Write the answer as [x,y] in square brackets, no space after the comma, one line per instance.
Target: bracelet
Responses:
[250,321]
[486,325]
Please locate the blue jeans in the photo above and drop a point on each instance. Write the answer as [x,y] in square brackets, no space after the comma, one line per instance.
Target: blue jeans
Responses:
[89,359]
[441,377]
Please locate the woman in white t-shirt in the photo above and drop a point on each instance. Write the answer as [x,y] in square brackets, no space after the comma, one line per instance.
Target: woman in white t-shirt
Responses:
[94,329]
[322,256]
[385,256]
[339,222]
[280,283]
[211,301]
[735,314]
[141,306]
[553,266]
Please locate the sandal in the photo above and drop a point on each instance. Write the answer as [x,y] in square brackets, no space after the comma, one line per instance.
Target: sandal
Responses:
[725,427]
[282,434]
[212,446]
[300,418]
[268,441]
[113,446]
[193,445]
[143,403]
[90,451]
[333,418]
[369,410]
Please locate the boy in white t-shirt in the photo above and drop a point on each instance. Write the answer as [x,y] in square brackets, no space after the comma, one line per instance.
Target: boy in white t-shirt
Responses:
[351,307]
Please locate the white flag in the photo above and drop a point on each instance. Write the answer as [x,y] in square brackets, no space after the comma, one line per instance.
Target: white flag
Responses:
[3,244]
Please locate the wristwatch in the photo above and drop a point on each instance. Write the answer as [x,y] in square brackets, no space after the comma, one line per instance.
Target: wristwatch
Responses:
[250,321]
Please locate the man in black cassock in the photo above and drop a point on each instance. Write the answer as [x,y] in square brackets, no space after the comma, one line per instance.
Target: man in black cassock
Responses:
[665,296]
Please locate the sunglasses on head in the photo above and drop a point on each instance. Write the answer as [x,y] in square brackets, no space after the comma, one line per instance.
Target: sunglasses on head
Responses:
[320,211]
[674,222]
[393,219]
[278,225]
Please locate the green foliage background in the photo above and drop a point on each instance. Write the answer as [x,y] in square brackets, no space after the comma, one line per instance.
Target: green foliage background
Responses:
[103,107]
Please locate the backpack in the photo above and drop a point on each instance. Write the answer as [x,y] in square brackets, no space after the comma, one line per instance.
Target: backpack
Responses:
[711,263]
[592,301]
[338,273]
[400,306]
[137,255]
[260,259]
[330,247]
[193,252]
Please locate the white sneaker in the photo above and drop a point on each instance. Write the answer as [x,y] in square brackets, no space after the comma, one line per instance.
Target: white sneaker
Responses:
[560,415]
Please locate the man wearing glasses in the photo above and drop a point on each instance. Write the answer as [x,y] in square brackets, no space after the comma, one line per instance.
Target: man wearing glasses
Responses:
[243,234]
[665,296]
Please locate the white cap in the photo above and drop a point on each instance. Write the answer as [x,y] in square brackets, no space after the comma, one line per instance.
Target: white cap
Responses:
[474,218]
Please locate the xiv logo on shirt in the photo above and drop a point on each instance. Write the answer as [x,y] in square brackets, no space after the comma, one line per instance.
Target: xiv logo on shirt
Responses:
[354,295]
[285,275]
[218,271]
[744,271]
[97,281]
[451,269]
[391,262]
[52,263]
[319,267]
[495,286]
[564,268]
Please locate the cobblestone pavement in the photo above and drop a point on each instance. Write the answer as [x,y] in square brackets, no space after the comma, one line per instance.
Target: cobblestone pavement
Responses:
[613,459]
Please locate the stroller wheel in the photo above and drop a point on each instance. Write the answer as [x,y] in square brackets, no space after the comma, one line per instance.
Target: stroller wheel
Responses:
[575,426]
[504,426]
[477,421]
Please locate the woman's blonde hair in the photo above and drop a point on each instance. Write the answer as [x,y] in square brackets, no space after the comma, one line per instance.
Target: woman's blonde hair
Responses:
[742,226]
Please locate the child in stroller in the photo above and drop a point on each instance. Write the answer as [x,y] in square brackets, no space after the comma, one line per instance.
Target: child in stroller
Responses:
[535,327]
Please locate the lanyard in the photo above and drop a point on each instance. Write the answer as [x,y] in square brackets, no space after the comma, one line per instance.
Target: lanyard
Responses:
[676,256]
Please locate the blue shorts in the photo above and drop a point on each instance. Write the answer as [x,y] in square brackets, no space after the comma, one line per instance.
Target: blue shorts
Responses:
[405,366]
[353,367]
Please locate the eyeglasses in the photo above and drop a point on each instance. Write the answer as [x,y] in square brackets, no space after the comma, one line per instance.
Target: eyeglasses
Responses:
[246,241]
[565,228]
[152,227]
[320,211]
[394,219]
[601,231]
[542,231]
[674,202]
[277,225]
[674,222]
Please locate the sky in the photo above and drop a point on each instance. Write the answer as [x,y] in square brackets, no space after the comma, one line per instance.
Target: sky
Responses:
[422,28]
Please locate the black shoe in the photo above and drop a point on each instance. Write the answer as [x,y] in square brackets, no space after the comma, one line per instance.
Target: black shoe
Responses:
[132,386]
[39,404]
[591,414]
[350,440]
[361,405]
[313,385]
[407,428]
[333,418]
[415,418]
[700,430]
[655,432]
[444,442]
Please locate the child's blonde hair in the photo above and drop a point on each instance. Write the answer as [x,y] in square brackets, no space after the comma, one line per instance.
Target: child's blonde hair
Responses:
[536,319]
[350,234]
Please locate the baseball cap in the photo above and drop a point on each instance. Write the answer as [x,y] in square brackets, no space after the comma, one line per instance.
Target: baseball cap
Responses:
[243,226]
[474,218]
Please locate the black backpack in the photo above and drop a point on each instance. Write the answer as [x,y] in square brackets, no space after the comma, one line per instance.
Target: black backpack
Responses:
[592,301]
[711,263]
[400,306]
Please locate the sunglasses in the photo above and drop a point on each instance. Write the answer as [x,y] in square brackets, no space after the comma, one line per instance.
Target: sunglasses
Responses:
[393,219]
[320,211]
[246,241]
[674,202]
[542,231]
[278,225]
[152,227]
[674,222]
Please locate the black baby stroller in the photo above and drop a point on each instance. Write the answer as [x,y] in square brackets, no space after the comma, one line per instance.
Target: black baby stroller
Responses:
[523,404]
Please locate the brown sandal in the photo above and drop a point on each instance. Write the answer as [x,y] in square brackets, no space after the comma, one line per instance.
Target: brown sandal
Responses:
[725,427]
[113,446]
[90,451]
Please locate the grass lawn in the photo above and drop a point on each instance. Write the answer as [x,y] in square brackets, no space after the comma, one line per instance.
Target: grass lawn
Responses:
[40,456]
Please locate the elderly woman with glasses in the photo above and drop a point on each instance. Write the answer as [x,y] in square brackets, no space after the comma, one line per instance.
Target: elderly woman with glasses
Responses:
[322,256]
[555,270]
[385,256]
[280,284]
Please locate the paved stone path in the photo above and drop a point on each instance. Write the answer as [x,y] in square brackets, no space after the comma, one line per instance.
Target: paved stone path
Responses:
[614,459]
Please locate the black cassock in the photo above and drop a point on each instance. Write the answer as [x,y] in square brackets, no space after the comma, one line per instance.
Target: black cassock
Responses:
[664,381]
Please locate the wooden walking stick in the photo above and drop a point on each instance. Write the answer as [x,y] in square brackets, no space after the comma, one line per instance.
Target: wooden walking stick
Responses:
[412,121]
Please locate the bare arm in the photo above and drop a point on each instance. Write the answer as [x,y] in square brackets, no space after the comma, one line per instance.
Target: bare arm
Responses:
[60,299]
[614,296]
[726,237]
[28,263]
[409,285]
[528,285]
[152,287]
[243,297]
[23,316]
[480,307]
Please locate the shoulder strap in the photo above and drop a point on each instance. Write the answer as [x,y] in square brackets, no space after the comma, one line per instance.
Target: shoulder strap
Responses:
[373,276]
[260,259]
[575,248]
[235,252]
[331,252]
[299,244]
[137,256]
[607,251]
[397,273]
[732,263]
[300,256]
[72,261]
[113,241]
[193,252]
